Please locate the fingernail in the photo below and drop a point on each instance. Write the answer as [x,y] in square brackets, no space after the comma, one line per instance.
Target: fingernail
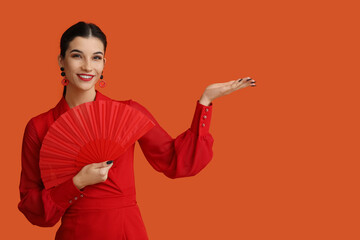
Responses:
[248,79]
[240,80]
[109,162]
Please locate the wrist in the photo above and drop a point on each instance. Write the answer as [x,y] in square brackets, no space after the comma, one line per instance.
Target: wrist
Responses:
[204,101]
[78,183]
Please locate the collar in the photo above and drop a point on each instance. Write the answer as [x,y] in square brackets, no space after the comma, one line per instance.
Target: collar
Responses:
[63,106]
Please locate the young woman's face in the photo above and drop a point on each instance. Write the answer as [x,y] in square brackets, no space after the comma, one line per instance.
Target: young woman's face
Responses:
[83,63]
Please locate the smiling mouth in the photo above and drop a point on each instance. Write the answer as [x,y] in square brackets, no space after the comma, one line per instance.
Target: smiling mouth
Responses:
[85,77]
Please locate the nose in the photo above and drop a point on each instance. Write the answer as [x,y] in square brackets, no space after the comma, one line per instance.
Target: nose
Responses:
[86,66]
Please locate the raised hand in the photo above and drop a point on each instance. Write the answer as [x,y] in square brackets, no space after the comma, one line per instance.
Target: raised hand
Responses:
[216,90]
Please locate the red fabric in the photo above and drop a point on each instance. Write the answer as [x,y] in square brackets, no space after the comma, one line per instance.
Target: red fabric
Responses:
[107,210]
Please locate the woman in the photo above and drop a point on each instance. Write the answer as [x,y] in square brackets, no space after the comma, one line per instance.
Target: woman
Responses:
[99,201]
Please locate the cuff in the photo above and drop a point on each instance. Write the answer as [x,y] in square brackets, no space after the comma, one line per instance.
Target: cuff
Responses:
[66,194]
[201,121]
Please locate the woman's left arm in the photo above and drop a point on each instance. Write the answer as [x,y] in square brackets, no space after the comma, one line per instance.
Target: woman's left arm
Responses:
[191,151]
[185,155]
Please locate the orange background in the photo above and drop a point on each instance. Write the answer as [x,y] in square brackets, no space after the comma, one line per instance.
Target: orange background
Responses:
[286,154]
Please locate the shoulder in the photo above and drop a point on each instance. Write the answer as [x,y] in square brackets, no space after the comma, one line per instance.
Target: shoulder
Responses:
[136,105]
[44,117]
[39,124]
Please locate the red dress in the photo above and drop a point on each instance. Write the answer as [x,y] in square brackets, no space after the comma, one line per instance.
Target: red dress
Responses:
[107,210]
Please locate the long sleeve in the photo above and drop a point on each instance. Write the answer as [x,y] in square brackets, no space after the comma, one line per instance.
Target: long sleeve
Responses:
[188,153]
[42,207]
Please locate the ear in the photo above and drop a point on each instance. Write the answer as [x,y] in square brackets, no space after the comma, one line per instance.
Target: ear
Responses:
[104,61]
[60,61]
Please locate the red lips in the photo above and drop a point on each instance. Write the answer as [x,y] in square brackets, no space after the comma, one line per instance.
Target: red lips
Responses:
[85,78]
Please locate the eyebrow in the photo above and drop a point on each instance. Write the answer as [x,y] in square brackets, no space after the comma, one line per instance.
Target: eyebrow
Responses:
[76,50]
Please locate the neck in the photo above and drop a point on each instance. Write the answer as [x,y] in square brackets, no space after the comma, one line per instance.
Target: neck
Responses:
[75,97]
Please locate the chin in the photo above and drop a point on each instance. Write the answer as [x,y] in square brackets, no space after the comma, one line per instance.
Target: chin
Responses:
[85,86]
[88,88]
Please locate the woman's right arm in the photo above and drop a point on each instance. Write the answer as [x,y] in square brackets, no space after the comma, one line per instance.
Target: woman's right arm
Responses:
[42,207]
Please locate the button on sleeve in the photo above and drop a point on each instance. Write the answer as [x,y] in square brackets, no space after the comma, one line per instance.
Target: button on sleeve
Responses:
[201,121]
[66,193]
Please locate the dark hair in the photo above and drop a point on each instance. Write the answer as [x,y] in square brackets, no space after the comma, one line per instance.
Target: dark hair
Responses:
[80,29]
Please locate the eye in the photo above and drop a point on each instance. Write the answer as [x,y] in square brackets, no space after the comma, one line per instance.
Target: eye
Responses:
[75,56]
[98,57]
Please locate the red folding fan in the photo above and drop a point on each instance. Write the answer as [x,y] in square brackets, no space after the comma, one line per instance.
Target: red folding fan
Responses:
[89,133]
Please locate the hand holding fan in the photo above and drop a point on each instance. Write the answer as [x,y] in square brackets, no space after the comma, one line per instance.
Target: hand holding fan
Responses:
[89,133]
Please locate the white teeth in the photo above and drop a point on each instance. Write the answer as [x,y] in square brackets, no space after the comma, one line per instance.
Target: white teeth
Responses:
[84,76]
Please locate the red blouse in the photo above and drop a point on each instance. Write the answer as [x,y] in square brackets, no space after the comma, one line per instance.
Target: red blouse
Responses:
[107,210]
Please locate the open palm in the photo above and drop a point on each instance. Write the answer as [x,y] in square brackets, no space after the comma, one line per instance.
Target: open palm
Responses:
[216,90]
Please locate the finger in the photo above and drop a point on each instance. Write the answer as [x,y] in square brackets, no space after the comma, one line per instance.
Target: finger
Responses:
[244,80]
[252,83]
[102,171]
[105,168]
[248,80]
[103,164]
[239,83]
